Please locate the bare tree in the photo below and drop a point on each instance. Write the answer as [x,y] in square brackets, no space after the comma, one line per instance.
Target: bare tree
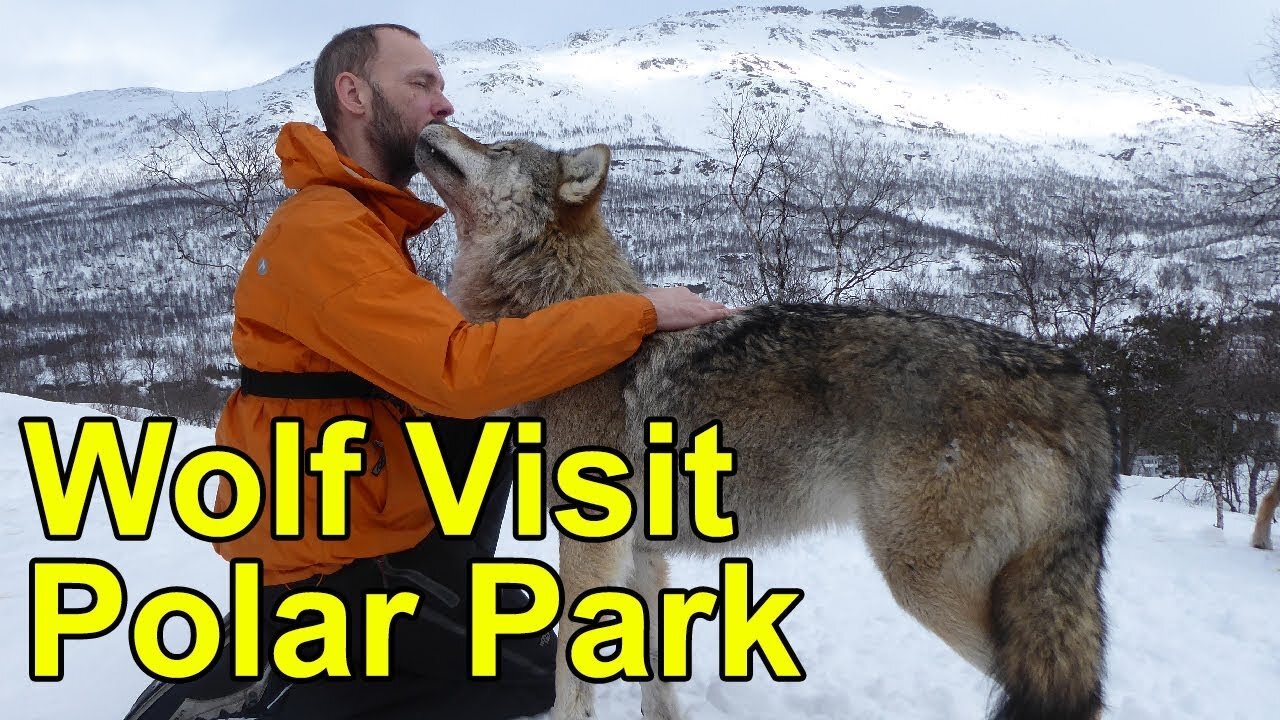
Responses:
[863,210]
[1100,271]
[236,179]
[67,378]
[1257,192]
[1173,282]
[1212,423]
[149,363]
[763,189]
[918,291]
[106,369]
[822,214]
[1020,270]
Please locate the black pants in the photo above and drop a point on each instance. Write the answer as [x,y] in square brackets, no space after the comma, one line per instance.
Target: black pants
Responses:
[430,652]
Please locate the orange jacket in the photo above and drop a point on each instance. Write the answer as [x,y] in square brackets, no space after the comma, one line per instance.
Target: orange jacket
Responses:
[330,286]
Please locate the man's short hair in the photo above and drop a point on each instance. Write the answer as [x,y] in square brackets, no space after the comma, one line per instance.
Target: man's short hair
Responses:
[349,51]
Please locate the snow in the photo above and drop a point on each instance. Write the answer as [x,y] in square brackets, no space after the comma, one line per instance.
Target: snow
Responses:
[602,85]
[1192,614]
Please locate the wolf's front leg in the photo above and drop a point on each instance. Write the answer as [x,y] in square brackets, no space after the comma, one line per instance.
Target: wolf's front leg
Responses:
[583,566]
[648,577]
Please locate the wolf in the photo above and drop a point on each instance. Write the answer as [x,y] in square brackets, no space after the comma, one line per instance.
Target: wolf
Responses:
[980,467]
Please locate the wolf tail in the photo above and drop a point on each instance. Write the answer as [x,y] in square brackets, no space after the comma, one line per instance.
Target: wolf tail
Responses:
[1049,629]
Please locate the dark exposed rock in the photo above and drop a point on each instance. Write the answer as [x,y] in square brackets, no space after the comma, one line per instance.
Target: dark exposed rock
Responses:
[673,63]
[969,26]
[707,166]
[904,16]
[849,12]
[493,46]
[787,10]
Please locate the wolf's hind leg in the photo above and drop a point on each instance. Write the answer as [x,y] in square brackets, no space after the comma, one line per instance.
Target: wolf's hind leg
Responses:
[648,577]
[1262,524]
[958,615]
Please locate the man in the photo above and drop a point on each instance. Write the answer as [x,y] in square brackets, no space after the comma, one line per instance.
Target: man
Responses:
[331,319]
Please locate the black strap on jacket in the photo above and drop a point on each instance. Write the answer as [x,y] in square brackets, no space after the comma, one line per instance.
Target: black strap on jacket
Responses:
[310,385]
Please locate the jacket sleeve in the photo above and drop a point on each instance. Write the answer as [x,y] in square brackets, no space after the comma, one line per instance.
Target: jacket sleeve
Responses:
[400,332]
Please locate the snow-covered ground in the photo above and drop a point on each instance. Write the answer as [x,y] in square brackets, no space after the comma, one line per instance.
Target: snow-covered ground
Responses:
[1193,614]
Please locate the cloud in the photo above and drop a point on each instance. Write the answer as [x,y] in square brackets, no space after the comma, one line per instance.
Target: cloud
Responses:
[69,47]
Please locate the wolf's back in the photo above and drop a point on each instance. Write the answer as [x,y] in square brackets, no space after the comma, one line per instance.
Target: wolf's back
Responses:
[907,361]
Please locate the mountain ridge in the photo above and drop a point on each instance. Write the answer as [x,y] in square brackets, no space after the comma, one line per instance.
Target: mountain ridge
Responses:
[968,75]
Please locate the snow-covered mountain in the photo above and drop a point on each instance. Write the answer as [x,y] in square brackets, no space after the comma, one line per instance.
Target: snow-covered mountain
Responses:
[655,84]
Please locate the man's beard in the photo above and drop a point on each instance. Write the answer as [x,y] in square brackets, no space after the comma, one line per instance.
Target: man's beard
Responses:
[392,140]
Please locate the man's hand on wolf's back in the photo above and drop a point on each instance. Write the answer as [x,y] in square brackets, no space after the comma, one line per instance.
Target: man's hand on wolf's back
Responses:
[679,308]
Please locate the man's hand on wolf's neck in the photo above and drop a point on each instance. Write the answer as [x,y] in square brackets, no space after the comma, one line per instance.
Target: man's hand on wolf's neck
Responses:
[679,308]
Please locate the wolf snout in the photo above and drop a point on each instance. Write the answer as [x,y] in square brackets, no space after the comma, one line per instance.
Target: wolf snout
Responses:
[428,147]
[434,134]
[428,138]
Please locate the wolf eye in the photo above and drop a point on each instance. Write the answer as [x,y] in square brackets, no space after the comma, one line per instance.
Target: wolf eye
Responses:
[501,148]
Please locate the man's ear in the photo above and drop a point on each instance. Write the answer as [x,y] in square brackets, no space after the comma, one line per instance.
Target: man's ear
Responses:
[347,87]
[584,174]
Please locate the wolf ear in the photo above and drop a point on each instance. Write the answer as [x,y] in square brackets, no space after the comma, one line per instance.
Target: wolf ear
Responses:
[584,174]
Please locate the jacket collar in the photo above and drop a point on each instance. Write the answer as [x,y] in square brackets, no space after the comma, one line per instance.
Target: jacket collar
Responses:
[309,157]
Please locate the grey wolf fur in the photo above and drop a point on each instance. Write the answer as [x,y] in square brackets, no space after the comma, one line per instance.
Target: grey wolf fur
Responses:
[979,466]
[1262,523]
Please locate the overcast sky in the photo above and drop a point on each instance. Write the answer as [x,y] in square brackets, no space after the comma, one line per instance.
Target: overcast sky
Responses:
[55,48]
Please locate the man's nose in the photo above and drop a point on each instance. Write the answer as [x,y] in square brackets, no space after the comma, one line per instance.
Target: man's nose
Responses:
[443,109]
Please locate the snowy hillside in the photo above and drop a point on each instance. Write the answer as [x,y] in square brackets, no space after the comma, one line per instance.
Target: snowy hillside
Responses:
[655,83]
[1192,615]
[970,106]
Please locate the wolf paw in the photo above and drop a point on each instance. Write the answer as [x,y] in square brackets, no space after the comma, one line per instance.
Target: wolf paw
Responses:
[662,707]
[576,708]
